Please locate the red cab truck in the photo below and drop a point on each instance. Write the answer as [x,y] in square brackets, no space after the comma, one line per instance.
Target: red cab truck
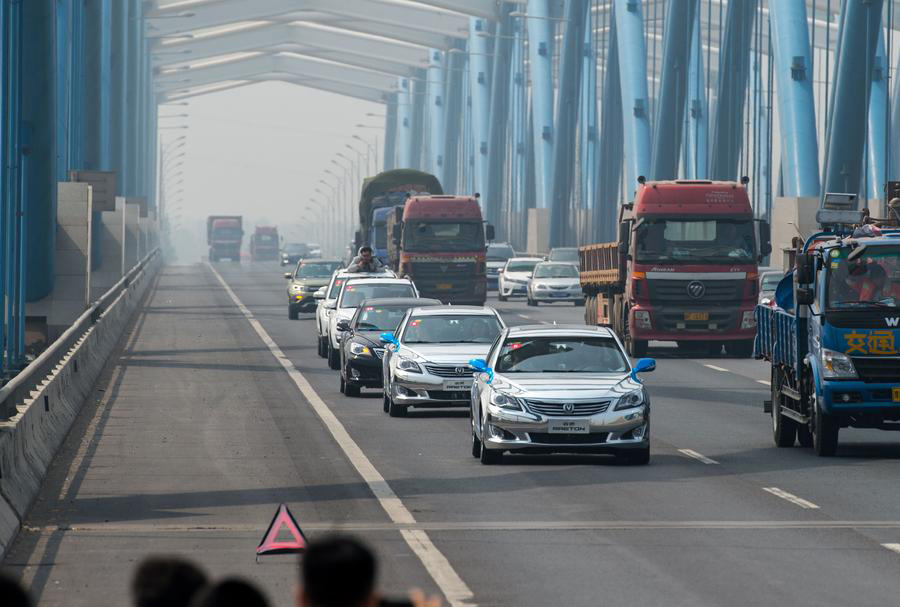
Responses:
[439,242]
[224,234]
[684,269]
[264,243]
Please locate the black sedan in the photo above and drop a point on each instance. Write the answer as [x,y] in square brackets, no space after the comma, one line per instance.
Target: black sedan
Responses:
[361,350]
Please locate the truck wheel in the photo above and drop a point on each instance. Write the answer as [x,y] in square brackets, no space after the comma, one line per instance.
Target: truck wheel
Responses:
[784,430]
[334,357]
[740,349]
[825,429]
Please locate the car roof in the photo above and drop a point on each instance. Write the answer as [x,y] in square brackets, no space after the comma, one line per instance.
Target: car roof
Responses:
[355,279]
[525,259]
[457,310]
[558,263]
[401,301]
[319,260]
[379,275]
[558,330]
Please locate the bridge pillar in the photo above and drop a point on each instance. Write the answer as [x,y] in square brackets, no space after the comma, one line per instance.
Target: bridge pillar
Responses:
[495,194]
[112,238]
[480,94]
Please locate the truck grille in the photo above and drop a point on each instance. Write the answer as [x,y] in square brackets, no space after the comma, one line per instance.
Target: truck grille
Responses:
[443,279]
[461,370]
[675,292]
[578,409]
[673,320]
[878,370]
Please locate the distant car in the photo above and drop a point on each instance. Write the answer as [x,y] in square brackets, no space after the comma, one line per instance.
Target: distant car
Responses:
[361,348]
[307,278]
[354,290]
[426,362]
[515,275]
[497,255]
[326,299]
[315,249]
[563,388]
[768,282]
[553,281]
[293,252]
[564,254]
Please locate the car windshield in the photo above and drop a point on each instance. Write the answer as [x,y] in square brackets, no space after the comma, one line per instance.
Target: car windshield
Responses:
[871,280]
[522,266]
[422,236]
[555,271]
[498,252]
[354,294]
[564,255]
[561,355]
[380,318]
[317,269]
[267,238]
[452,329]
[770,281]
[295,248]
[336,288]
[380,236]
[695,241]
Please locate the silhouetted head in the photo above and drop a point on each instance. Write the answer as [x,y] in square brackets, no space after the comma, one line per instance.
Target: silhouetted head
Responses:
[166,582]
[337,571]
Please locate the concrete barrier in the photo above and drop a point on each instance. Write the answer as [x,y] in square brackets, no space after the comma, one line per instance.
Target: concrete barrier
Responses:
[30,438]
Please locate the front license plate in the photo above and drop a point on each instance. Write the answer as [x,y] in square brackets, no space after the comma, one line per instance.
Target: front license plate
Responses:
[559,295]
[895,395]
[696,315]
[452,385]
[444,286]
[568,426]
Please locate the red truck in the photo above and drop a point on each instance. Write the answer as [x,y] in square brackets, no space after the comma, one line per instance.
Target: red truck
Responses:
[684,269]
[439,242]
[224,235]
[264,243]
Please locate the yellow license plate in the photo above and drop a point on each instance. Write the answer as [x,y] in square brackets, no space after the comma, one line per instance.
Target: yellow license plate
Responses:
[895,395]
[696,315]
[444,286]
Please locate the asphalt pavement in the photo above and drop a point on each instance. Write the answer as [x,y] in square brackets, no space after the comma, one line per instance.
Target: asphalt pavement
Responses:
[217,409]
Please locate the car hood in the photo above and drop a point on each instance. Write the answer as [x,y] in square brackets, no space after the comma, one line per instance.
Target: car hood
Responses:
[523,276]
[368,338]
[555,282]
[445,353]
[565,385]
[310,282]
[495,265]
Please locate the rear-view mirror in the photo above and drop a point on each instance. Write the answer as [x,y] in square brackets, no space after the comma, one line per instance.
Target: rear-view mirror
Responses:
[320,294]
[644,365]
[387,338]
[805,269]
[343,325]
[478,364]
[288,275]
[805,296]
[489,232]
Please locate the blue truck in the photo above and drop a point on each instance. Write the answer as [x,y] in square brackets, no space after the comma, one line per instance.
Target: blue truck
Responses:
[833,339]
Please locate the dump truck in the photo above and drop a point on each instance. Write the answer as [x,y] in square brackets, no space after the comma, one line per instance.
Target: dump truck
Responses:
[439,242]
[832,335]
[264,243]
[388,189]
[684,268]
[224,234]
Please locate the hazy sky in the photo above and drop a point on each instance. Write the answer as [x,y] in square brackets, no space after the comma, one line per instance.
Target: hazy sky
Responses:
[259,151]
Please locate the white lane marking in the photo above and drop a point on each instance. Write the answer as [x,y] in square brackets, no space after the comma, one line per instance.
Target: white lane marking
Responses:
[892,547]
[454,588]
[797,501]
[764,382]
[525,316]
[697,456]
[715,368]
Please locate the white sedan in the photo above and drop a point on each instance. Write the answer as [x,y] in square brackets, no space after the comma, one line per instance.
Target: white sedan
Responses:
[551,282]
[515,275]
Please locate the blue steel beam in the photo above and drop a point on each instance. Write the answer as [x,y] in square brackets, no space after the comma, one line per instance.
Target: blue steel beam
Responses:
[454,117]
[611,144]
[680,17]
[694,158]
[588,117]
[571,62]
[390,133]
[480,94]
[632,55]
[540,58]
[520,138]
[435,104]
[734,63]
[417,141]
[796,105]
[494,192]
[875,144]
[404,124]
[98,57]
[854,60]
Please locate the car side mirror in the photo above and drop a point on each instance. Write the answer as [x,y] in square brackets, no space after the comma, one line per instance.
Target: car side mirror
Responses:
[644,365]
[805,296]
[320,294]
[489,232]
[331,305]
[343,325]
[288,275]
[388,338]
[479,365]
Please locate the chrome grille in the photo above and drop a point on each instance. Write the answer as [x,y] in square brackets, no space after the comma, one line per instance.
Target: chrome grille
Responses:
[450,370]
[556,409]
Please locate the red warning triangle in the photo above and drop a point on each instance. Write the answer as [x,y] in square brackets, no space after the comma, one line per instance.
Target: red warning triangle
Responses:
[270,543]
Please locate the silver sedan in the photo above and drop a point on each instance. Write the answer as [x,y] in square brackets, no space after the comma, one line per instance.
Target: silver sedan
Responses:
[426,364]
[545,389]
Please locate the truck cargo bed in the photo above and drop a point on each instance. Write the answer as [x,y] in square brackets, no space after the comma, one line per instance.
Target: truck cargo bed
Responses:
[777,336]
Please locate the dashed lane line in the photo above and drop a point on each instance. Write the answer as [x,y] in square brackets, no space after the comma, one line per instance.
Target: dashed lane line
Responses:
[790,497]
[697,456]
[715,368]
[450,583]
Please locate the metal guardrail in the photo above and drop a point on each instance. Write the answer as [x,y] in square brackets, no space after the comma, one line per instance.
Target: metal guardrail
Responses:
[19,387]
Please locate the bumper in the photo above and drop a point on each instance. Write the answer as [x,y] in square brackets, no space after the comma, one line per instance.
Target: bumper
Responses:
[677,324]
[302,302]
[609,432]
[549,295]
[364,371]
[508,290]
[493,281]
[859,398]
[423,390]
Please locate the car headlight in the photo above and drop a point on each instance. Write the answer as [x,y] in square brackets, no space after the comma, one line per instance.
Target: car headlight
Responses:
[504,401]
[633,399]
[296,288]
[409,365]
[837,365]
[541,286]
[360,350]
